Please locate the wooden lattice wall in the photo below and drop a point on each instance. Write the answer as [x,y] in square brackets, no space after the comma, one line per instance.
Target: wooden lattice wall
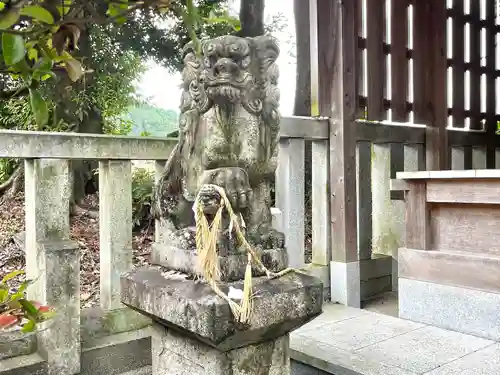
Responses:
[410,50]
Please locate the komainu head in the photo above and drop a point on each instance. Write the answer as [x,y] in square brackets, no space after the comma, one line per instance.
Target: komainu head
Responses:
[232,70]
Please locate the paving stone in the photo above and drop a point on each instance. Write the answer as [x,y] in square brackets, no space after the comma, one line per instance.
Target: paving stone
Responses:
[358,332]
[336,361]
[332,313]
[424,349]
[483,362]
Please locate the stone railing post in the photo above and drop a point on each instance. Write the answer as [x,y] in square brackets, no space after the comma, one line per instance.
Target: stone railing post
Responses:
[54,261]
[115,228]
[290,193]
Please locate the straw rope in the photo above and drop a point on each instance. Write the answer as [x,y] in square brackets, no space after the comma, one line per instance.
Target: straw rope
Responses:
[206,247]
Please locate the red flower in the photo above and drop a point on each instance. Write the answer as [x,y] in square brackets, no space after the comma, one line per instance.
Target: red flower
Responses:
[7,320]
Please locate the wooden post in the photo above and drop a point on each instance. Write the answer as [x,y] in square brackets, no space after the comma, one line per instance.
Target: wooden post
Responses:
[429,79]
[336,36]
[417,217]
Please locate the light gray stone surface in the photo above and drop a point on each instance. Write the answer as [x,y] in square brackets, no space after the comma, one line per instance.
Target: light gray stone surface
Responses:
[370,329]
[29,144]
[424,349]
[116,354]
[280,305]
[97,323]
[345,283]
[31,364]
[175,354]
[331,359]
[115,228]
[464,310]
[60,343]
[359,348]
[483,362]
[16,343]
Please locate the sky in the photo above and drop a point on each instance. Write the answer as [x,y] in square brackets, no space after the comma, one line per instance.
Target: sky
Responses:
[163,88]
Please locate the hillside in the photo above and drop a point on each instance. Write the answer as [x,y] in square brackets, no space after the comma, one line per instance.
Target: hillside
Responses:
[150,120]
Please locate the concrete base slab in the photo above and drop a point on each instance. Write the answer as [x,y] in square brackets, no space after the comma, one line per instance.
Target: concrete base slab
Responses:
[345,285]
[463,310]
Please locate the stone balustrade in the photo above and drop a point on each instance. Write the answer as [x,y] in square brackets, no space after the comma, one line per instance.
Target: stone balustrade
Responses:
[55,260]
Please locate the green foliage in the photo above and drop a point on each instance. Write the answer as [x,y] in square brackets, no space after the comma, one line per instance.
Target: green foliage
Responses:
[38,40]
[150,120]
[162,36]
[142,193]
[7,167]
[16,310]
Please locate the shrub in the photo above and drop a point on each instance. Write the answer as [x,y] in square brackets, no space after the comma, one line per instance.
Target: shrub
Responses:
[143,183]
[16,310]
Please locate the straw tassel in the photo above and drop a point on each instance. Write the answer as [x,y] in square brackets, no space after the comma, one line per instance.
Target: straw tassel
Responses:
[246,302]
[206,247]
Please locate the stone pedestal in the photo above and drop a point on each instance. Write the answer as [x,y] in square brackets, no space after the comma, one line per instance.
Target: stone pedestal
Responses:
[175,354]
[194,331]
[231,265]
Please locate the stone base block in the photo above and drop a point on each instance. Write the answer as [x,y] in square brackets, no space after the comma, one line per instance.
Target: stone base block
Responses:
[345,284]
[176,354]
[192,308]
[464,310]
[16,343]
[232,267]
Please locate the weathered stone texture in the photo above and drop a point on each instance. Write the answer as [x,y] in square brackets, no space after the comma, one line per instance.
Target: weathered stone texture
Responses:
[232,266]
[115,228]
[60,343]
[280,306]
[174,354]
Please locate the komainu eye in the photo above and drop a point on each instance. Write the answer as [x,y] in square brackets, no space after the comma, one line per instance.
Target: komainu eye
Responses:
[207,62]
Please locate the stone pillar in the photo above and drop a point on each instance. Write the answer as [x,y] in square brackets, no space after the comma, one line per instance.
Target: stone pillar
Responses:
[54,261]
[195,333]
[115,228]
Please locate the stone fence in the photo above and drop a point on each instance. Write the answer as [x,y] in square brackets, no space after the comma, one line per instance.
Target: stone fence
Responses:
[112,339]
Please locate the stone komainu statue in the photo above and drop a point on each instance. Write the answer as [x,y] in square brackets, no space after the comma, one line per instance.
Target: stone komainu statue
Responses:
[228,136]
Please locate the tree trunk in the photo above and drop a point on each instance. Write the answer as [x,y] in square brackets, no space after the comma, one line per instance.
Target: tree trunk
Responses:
[84,180]
[252,18]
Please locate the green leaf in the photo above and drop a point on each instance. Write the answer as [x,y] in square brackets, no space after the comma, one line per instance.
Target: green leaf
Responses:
[28,307]
[39,108]
[117,11]
[4,295]
[47,76]
[29,326]
[10,18]
[39,13]
[11,276]
[74,69]
[2,5]
[25,285]
[32,54]
[12,48]
[47,315]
